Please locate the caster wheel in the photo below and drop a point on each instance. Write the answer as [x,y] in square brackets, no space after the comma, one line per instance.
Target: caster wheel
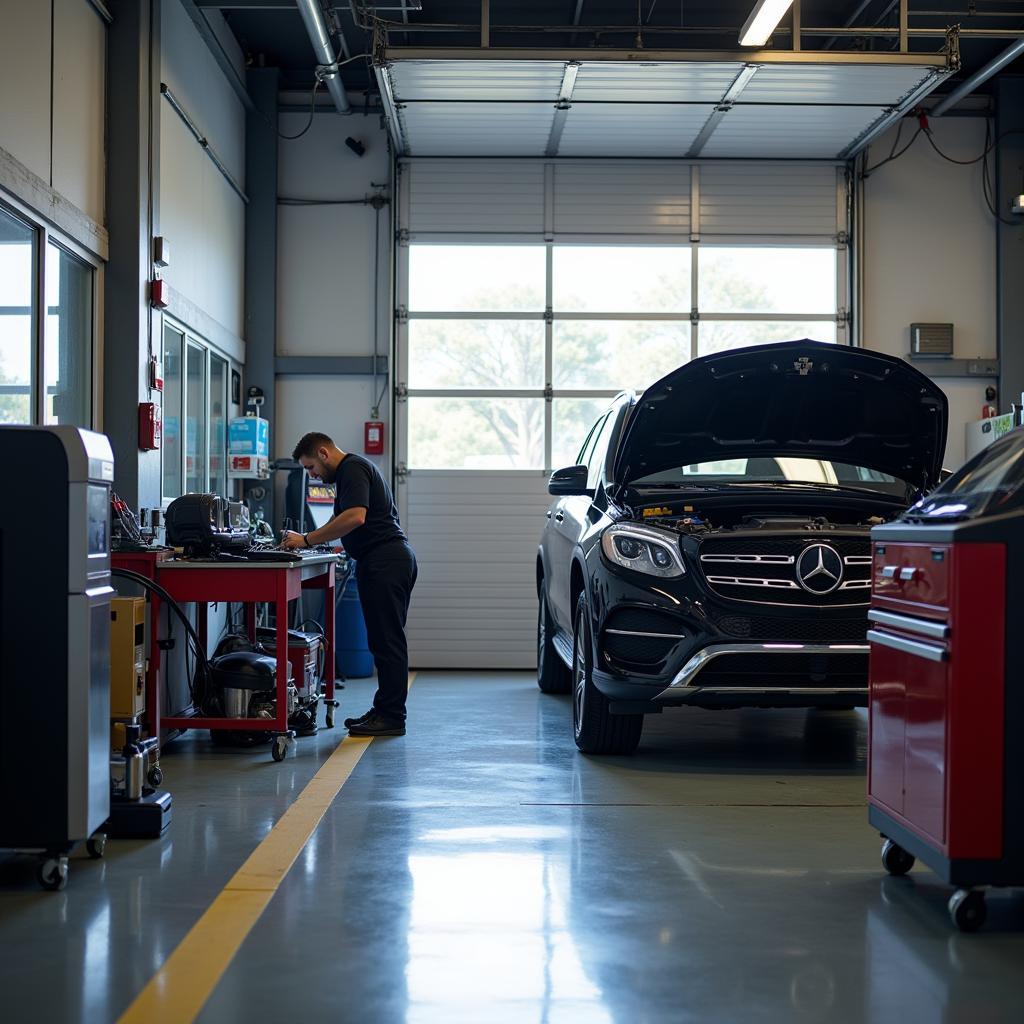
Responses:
[895,859]
[155,776]
[967,909]
[279,751]
[52,873]
[96,845]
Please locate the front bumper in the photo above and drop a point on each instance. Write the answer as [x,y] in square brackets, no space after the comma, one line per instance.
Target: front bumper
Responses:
[686,687]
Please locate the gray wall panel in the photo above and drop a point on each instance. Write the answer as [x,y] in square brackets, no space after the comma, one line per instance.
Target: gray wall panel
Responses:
[79,84]
[25,83]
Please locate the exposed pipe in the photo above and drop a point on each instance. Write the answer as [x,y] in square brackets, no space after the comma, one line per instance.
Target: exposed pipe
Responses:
[982,75]
[313,18]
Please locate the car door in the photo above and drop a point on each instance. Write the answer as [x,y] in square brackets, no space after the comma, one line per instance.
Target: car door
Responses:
[569,521]
[558,545]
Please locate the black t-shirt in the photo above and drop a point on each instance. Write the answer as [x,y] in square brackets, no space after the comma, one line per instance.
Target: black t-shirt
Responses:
[360,485]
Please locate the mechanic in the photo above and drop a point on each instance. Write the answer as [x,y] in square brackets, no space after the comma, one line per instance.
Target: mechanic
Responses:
[366,519]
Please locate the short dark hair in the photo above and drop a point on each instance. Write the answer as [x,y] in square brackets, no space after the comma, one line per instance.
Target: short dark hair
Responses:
[309,443]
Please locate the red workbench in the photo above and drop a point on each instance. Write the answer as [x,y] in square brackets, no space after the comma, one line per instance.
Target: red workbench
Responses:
[251,583]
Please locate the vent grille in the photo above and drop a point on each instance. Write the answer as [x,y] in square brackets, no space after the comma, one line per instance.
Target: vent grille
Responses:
[803,629]
[762,570]
[782,670]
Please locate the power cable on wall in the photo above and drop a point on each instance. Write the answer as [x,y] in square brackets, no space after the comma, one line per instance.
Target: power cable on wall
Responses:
[924,128]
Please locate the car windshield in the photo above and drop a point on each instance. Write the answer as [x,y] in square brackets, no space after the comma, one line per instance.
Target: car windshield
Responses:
[780,469]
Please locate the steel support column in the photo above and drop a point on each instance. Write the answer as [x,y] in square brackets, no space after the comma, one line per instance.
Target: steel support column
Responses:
[1009,157]
[261,257]
[131,327]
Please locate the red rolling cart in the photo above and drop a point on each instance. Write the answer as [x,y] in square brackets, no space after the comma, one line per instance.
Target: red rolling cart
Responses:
[251,583]
[945,764]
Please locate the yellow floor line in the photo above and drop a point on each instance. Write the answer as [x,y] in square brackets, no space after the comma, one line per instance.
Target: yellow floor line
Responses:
[179,990]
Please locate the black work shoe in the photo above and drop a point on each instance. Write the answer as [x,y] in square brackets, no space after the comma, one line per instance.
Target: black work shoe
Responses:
[376,724]
[349,722]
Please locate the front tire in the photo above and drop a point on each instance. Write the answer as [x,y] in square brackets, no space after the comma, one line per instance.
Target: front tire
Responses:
[595,729]
[552,674]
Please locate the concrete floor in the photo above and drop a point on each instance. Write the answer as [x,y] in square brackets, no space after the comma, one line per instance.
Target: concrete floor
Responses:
[481,870]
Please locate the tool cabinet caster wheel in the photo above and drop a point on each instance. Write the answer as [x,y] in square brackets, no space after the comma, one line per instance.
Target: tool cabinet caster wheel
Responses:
[967,909]
[895,859]
[52,873]
[96,845]
[279,751]
[155,776]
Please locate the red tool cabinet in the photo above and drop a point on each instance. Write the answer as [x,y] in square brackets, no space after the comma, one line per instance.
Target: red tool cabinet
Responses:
[945,771]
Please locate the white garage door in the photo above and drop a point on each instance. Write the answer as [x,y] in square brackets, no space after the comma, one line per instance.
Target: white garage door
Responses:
[529,293]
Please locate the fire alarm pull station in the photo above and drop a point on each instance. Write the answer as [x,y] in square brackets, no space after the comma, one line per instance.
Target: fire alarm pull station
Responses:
[373,437]
[151,426]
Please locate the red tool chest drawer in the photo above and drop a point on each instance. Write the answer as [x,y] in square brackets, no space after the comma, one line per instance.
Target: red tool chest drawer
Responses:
[917,574]
[936,692]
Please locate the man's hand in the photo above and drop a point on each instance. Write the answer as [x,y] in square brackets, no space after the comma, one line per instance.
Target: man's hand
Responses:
[290,540]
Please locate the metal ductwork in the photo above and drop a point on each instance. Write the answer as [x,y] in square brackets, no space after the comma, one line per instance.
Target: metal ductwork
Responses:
[313,18]
[978,78]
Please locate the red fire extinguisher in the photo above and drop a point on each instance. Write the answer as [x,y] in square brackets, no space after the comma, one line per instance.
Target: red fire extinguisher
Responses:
[373,437]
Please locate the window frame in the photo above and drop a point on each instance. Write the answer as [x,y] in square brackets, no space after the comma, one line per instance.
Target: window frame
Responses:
[189,338]
[840,316]
[43,235]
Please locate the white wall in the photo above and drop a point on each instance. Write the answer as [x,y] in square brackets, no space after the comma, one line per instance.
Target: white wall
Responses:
[325,275]
[200,214]
[930,256]
[70,156]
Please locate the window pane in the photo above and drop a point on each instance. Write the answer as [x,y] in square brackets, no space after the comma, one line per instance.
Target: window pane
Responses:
[476,433]
[571,420]
[477,278]
[174,345]
[195,420]
[218,424]
[720,336]
[621,279]
[617,354]
[767,280]
[476,354]
[17,251]
[69,340]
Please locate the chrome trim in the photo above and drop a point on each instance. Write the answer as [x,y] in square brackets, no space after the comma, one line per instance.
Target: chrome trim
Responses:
[752,581]
[915,647]
[684,678]
[935,630]
[763,559]
[818,691]
[855,585]
[633,632]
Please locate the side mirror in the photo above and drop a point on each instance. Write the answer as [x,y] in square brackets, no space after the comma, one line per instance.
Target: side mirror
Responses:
[568,481]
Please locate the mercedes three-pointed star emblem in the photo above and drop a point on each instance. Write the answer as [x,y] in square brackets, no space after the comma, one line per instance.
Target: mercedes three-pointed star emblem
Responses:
[819,569]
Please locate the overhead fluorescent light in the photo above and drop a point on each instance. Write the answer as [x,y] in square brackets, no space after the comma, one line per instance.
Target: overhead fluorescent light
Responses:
[763,21]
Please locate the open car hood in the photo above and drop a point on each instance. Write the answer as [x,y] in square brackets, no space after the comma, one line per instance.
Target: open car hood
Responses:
[804,399]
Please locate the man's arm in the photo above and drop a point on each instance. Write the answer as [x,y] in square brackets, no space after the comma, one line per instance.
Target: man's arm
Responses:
[340,526]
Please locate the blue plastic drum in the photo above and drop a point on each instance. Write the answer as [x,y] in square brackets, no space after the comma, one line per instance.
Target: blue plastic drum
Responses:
[352,657]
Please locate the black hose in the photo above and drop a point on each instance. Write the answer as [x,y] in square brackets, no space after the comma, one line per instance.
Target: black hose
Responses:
[200,655]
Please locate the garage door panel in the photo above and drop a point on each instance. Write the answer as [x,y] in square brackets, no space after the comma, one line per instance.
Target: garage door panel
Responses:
[476,537]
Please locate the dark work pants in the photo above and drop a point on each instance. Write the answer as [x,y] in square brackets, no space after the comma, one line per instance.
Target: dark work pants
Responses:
[385,577]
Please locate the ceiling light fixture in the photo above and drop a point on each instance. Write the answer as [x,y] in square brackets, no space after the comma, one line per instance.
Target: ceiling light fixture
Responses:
[763,21]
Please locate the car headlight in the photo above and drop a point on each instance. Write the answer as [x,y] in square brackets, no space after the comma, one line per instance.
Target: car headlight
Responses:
[643,549]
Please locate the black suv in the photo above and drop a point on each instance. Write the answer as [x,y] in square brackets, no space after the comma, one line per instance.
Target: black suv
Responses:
[711,546]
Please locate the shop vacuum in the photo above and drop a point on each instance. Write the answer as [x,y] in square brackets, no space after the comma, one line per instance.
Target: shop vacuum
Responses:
[945,761]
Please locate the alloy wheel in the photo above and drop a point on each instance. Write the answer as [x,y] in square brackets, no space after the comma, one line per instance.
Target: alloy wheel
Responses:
[579,679]
[542,632]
